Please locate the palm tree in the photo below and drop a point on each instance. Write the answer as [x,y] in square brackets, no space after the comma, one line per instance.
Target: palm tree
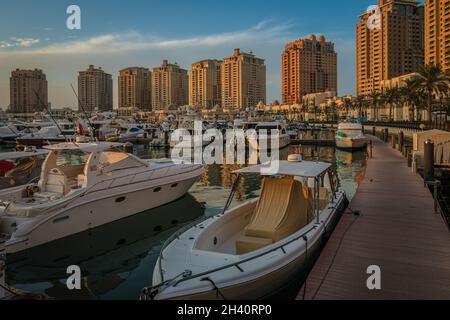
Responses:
[433,83]
[412,97]
[333,110]
[360,104]
[375,98]
[392,97]
[347,105]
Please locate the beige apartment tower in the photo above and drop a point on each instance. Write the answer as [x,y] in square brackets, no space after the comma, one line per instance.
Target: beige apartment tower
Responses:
[28,91]
[205,83]
[95,90]
[389,43]
[437,33]
[243,81]
[308,66]
[169,86]
[135,85]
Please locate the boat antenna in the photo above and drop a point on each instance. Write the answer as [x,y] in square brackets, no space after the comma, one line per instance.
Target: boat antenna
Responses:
[84,111]
[51,116]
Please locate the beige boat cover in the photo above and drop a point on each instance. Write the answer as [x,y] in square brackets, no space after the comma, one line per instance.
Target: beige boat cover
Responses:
[282,210]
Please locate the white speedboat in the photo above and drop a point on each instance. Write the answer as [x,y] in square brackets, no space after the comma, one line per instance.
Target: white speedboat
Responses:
[350,135]
[44,136]
[9,133]
[132,132]
[257,248]
[83,186]
[184,138]
[267,132]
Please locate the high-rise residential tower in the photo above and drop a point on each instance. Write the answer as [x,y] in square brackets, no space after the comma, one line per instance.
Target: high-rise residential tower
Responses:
[437,33]
[308,66]
[95,90]
[243,80]
[169,86]
[28,91]
[389,43]
[135,86]
[205,83]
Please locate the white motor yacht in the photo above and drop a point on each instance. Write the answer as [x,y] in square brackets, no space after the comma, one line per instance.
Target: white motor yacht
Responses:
[350,135]
[44,136]
[256,249]
[266,132]
[86,185]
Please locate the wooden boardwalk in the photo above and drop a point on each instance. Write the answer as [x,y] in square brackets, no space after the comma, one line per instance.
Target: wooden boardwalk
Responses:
[396,230]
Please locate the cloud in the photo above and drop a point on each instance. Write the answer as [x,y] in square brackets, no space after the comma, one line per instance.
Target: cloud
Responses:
[4,44]
[19,42]
[135,41]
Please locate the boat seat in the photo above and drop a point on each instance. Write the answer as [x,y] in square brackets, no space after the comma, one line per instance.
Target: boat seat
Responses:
[282,210]
[57,182]
[247,244]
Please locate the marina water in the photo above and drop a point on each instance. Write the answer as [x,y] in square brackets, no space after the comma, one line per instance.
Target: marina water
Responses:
[117,259]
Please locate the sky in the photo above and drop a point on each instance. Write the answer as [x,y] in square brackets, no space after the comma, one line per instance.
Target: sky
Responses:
[118,34]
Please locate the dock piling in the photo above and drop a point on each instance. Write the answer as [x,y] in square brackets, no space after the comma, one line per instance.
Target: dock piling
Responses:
[401,138]
[2,276]
[428,161]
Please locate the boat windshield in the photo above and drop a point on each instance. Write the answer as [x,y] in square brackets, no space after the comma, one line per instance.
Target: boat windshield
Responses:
[72,158]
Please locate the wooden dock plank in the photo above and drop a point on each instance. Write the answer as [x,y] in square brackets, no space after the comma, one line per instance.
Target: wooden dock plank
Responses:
[396,230]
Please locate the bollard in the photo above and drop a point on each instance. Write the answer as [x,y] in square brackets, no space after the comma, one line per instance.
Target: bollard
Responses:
[428,161]
[410,159]
[166,138]
[2,276]
[386,135]
[371,148]
[401,138]
[374,131]
[128,147]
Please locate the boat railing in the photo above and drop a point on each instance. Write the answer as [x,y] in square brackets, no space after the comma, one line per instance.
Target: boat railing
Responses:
[187,276]
[177,235]
[66,202]
[236,264]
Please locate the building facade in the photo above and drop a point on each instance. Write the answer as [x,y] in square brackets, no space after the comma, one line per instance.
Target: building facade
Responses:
[205,83]
[437,33]
[389,43]
[135,85]
[95,90]
[308,66]
[243,78]
[169,86]
[28,91]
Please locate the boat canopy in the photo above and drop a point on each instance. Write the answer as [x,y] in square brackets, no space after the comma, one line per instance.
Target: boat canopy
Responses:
[22,154]
[85,147]
[307,169]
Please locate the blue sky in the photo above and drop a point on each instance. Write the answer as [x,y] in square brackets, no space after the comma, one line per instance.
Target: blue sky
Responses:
[118,34]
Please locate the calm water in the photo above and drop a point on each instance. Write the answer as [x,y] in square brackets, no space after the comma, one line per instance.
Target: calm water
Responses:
[117,260]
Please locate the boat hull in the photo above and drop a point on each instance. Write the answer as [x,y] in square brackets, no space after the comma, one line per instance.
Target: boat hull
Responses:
[265,282]
[98,209]
[349,143]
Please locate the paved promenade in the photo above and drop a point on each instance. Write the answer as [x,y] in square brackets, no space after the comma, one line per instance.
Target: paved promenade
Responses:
[396,230]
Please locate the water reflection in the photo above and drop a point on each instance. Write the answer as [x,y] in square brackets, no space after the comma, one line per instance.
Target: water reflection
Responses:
[117,260]
[108,256]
